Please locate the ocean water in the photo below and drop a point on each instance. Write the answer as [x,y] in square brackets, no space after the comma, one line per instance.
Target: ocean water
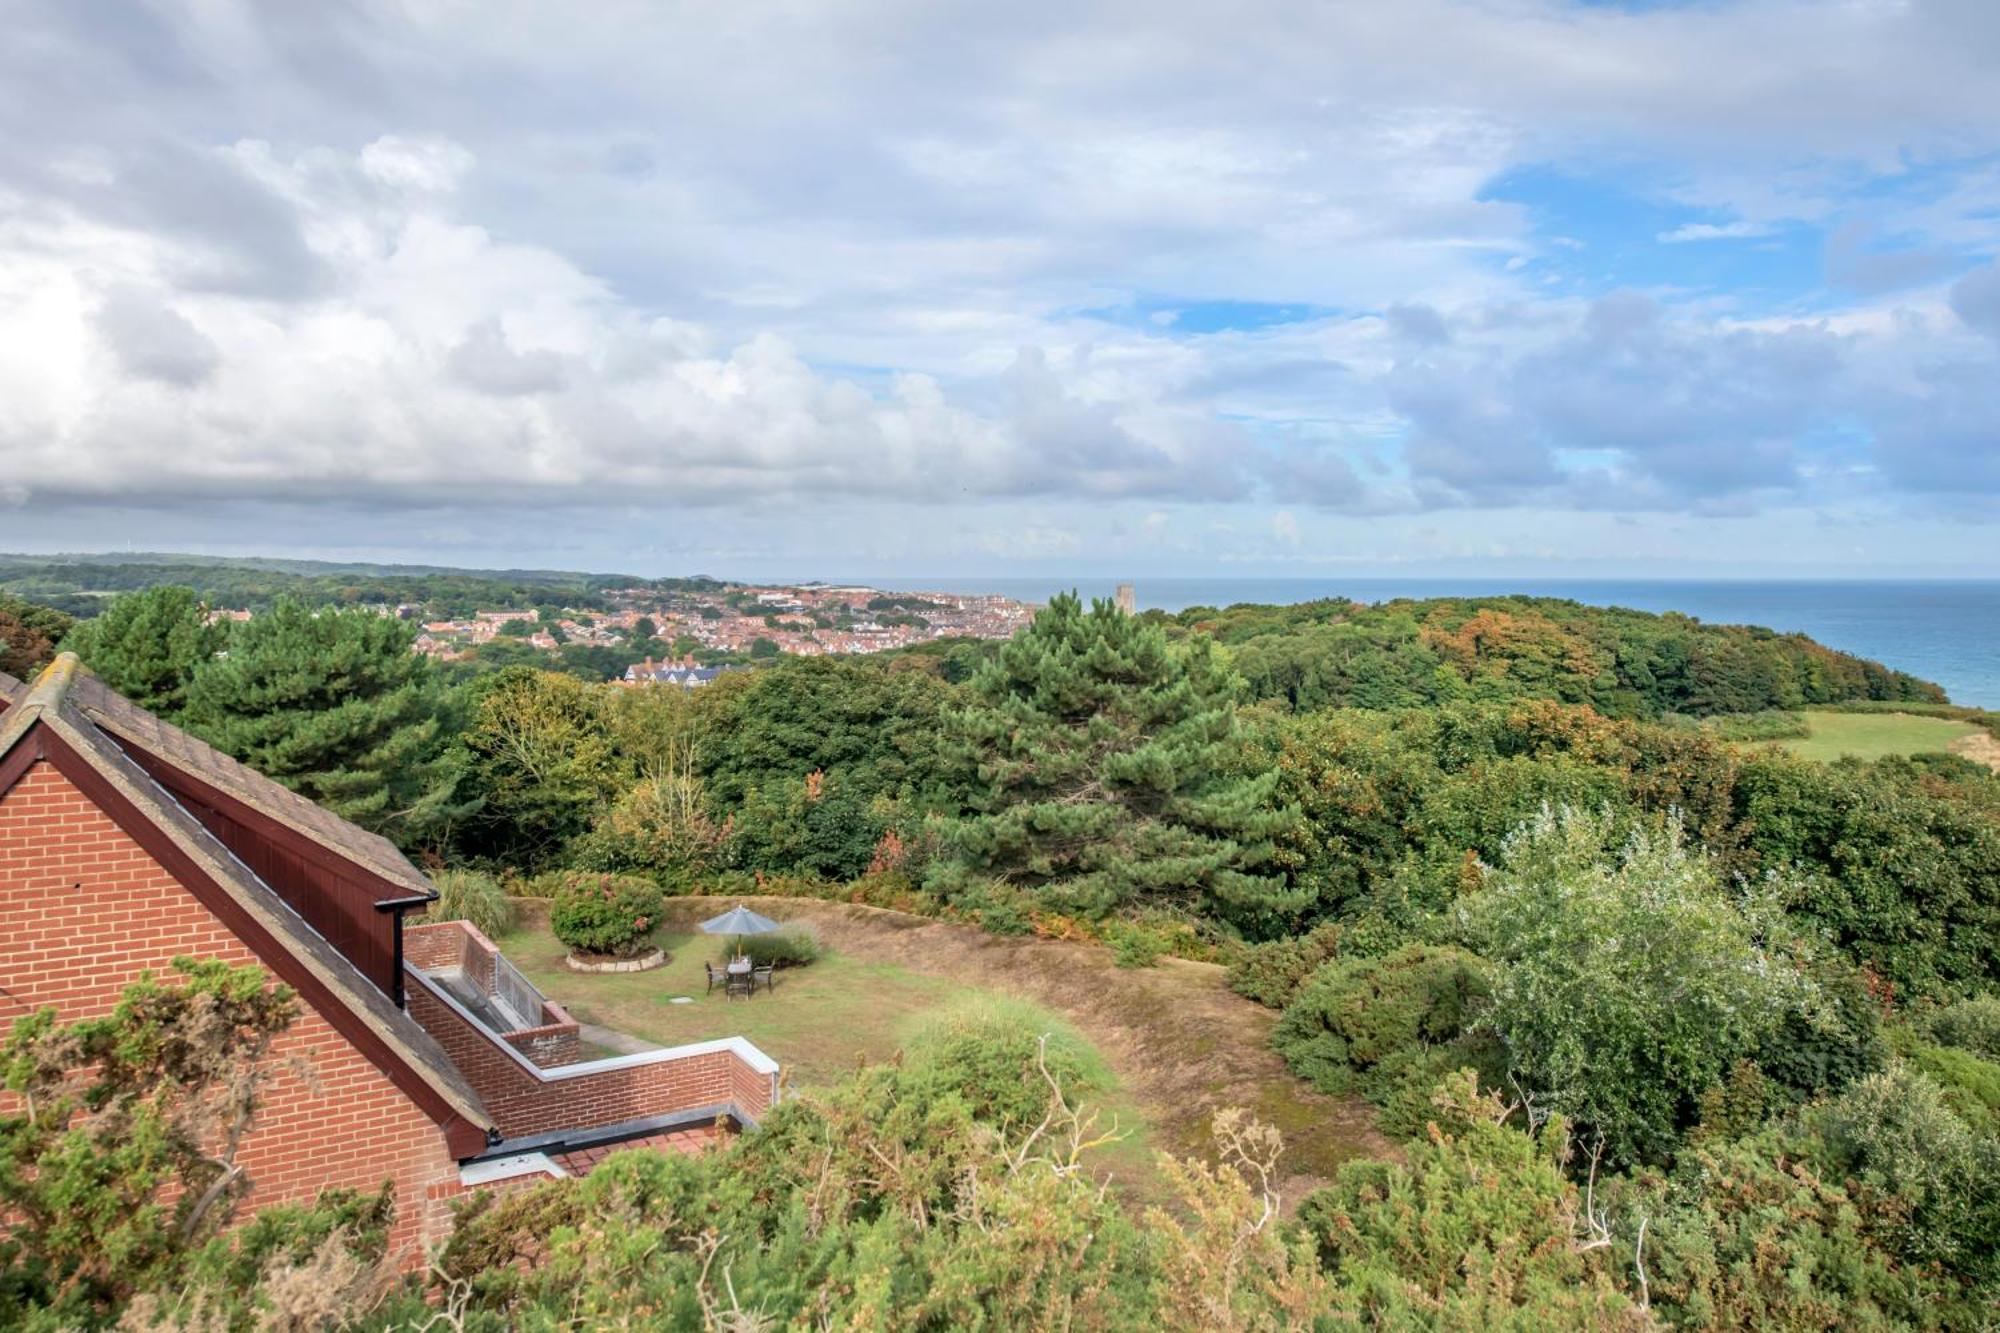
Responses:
[1947,631]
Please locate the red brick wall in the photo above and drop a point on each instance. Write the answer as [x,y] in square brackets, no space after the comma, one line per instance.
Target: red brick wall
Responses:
[84,909]
[522,1104]
[435,945]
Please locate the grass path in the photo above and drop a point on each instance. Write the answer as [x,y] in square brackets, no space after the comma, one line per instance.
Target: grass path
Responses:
[1876,735]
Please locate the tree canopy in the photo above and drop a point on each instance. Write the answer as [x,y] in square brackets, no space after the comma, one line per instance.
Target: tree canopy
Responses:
[1106,769]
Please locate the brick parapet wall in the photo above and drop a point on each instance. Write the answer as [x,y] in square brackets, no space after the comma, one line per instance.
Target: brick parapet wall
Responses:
[584,1097]
[552,1043]
[84,910]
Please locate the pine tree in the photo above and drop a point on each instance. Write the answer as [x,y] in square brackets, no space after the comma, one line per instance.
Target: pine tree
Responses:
[147,646]
[1106,769]
[333,704]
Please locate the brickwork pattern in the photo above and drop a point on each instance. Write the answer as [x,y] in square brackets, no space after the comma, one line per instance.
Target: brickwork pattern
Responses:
[84,909]
[522,1104]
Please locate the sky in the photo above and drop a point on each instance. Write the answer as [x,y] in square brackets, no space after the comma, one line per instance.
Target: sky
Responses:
[844,288]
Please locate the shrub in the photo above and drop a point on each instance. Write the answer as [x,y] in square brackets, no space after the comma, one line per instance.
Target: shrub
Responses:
[1629,981]
[1970,1083]
[604,914]
[1367,1021]
[1272,973]
[1971,1025]
[1926,1175]
[985,1051]
[471,895]
[794,946]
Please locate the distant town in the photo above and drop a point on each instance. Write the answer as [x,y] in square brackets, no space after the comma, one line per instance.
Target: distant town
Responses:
[697,632]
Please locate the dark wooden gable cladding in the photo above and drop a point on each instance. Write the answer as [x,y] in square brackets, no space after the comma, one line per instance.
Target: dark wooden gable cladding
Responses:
[338,898]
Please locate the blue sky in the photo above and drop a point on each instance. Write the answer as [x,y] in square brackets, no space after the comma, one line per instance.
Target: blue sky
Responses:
[1445,285]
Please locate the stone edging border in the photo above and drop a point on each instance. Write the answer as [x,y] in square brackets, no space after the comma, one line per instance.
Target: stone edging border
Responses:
[645,962]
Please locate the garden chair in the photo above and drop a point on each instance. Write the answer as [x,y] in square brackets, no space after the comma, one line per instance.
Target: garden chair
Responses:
[715,978]
[740,983]
[765,976]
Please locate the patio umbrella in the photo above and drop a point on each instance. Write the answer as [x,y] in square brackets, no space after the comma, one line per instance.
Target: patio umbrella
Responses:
[738,921]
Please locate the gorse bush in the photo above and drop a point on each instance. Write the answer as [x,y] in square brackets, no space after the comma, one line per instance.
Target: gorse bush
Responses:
[1271,973]
[794,946]
[604,914]
[471,895]
[1364,1022]
[992,1053]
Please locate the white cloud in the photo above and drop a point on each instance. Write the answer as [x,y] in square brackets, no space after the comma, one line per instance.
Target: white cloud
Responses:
[459,256]
[1712,231]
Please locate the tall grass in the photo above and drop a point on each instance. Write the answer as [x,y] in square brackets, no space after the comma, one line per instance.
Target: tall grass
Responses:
[469,895]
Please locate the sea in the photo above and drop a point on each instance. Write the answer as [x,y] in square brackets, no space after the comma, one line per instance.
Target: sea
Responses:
[1946,631]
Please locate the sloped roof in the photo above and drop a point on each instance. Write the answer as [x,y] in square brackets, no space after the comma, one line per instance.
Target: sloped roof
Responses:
[134,727]
[95,723]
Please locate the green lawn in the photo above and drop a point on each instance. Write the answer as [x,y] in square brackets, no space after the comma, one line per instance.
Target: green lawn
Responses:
[1876,735]
[819,1022]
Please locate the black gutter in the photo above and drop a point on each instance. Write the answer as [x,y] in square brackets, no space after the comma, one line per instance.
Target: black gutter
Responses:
[399,906]
[572,1140]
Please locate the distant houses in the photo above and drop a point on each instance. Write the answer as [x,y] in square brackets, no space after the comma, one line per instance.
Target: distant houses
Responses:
[674,671]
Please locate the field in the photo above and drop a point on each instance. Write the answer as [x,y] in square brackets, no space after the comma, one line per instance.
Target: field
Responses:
[1177,1043]
[1877,735]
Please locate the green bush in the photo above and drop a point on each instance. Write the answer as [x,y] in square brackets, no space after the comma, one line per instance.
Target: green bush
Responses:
[794,946]
[1971,1025]
[1134,945]
[471,895]
[1971,1084]
[604,914]
[1272,973]
[1770,725]
[984,1049]
[1927,1176]
[1363,1022]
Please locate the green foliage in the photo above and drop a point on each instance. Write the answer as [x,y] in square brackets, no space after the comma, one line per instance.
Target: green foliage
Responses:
[1401,654]
[1970,1084]
[1477,1228]
[614,915]
[471,895]
[538,764]
[1628,981]
[1748,1235]
[816,826]
[1107,771]
[887,1202]
[1769,725]
[1929,1178]
[1826,1046]
[1973,1024]
[1271,973]
[1897,867]
[1364,1022]
[992,1054]
[148,646]
[117,1161]
[794,946]
[334,705]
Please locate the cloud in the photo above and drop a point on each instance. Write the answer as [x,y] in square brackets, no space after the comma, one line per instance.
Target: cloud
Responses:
[1975,298]
[255,255]
[152,340]
[1712,231]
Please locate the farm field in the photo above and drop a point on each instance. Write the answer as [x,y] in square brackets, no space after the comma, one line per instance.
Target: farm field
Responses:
[1877,735]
